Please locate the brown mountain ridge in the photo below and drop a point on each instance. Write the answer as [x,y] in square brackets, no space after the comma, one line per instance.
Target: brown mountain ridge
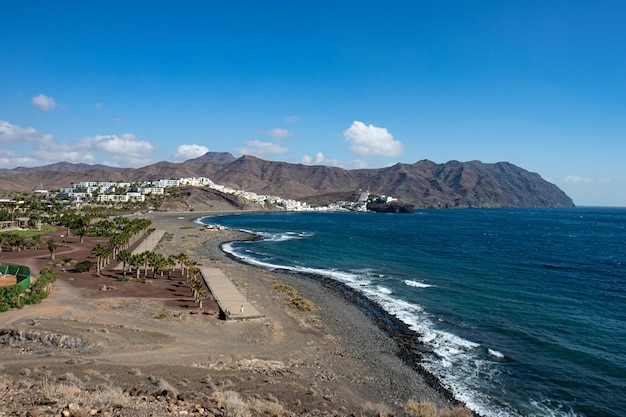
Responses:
[425,184]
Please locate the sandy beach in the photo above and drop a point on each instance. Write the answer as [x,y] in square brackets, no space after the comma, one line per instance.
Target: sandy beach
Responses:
[148,344]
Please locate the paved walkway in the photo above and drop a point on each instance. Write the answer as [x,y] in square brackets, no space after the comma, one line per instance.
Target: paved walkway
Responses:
[228,296]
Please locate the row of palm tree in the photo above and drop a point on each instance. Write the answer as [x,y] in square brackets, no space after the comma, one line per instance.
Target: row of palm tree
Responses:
[17,241]
[154,262]
[198,289]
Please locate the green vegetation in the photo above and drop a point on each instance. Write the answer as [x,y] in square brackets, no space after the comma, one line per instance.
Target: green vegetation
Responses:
[16,296]
[83,266]
[31,233]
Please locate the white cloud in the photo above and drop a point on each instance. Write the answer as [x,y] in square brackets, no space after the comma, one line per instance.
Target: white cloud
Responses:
[293,119]
[369,140]
[9,159]
[278,133]
[124,148]
[574,179]
[320,159]
[36,148]
[56,152]
[25,146]
[10,133]
[256,147]
[44,102]
[185,152]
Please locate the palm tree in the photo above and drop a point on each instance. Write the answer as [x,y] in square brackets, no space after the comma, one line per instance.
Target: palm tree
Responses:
[183,259]
[170,262]
[121,222]
[19,241]
[124,257]
[107,256]
[136,260]
[80,228]
[100,252]
[157,262]
[52,246]
[145,256]
[35,241]
[116,242]
[200,295]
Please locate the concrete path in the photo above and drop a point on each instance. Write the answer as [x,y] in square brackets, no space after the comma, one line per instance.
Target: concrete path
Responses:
[228,296]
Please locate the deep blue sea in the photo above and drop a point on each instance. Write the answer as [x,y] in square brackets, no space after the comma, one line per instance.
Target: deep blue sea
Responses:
[525,310]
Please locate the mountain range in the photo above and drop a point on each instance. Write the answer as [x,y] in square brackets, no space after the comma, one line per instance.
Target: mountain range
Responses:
[424,184]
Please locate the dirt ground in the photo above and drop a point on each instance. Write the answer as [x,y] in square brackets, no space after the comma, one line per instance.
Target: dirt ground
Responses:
[147,337]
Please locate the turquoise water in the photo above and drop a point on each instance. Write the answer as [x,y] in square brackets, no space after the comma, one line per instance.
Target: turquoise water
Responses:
[524,310]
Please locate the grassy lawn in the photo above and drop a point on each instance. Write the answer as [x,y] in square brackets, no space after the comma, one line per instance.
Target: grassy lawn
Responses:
[31,233]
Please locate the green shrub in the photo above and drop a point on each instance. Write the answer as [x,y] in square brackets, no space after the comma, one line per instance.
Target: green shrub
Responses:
[11,296]
[83,266]
[15,296]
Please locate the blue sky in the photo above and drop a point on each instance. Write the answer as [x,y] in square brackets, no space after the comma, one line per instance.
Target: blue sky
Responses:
[540,84]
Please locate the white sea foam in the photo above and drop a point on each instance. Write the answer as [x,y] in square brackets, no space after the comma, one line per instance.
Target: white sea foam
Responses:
[279,237]
[550,411]
[384,290]
[416,284]
[495,353]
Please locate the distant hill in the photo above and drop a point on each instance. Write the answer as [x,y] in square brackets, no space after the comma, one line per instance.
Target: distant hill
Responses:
[423,184]
[60,167]
[219,157]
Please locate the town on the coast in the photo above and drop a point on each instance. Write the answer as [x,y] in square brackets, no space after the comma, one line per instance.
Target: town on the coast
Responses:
[109,192]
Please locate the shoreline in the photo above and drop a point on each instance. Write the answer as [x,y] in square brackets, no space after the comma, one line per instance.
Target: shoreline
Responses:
[320,290]
[410,350]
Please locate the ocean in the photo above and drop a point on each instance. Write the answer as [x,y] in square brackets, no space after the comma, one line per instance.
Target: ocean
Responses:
[524,309]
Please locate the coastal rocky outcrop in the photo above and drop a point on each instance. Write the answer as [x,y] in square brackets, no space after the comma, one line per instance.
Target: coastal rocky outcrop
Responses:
[424,184]
[391,207]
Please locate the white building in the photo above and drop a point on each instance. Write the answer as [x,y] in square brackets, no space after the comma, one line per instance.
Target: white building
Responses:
[167,183]
[152,190]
